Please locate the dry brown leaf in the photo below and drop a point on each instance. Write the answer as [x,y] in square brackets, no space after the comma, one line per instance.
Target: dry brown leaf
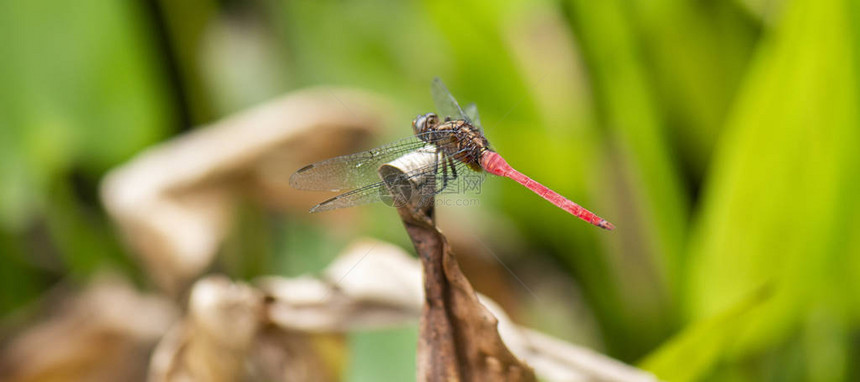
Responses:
[372,285]
[104,334]
[226,337]
[173,201]
[293,356]
[557,360]
[213,342]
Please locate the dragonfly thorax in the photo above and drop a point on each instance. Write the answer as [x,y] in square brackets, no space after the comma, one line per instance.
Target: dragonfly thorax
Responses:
[457,139]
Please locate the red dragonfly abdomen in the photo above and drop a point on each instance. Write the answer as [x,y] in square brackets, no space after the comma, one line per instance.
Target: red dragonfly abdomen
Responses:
[493,163]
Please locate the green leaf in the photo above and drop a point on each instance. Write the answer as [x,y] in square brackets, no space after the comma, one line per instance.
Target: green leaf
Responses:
[781,199]
[689,355]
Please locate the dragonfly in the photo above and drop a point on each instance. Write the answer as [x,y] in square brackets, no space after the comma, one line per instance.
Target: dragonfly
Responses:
[455,141]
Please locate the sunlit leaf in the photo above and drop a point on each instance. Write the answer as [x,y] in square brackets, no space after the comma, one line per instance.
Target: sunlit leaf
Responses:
[781,196]
[689,355]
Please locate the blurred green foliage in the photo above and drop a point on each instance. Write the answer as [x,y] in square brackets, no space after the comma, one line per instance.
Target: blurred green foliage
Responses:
[717,135]
[81,92]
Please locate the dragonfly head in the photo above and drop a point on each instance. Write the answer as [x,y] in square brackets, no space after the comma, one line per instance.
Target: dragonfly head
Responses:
[423,123]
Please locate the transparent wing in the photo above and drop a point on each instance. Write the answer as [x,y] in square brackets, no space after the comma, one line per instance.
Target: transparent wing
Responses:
[445,102]
[472,113]
[374,192]
[353,170]
[435,179]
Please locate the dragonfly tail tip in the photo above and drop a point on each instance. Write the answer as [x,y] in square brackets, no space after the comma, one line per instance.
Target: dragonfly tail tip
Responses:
[606,225]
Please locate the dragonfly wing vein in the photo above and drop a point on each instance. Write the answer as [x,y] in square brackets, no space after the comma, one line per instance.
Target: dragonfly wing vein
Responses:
[445,102]
[353,170]
[367,194]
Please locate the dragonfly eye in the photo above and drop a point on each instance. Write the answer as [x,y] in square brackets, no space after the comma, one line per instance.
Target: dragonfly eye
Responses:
[418,124]
[422,123]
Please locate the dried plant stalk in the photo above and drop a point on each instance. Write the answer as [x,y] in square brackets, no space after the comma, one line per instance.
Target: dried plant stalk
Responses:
[458,336]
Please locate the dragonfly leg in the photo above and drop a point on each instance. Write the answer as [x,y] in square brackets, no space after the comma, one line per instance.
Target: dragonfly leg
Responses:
[444,170]
[453,168]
